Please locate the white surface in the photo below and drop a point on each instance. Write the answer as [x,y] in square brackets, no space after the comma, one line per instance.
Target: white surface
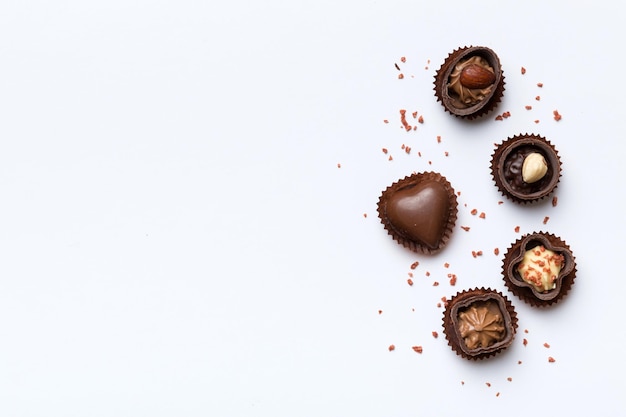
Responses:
[177,239]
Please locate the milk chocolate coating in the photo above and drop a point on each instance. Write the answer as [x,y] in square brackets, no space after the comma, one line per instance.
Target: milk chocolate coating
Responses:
[419,211]
[479,323]
[506,168]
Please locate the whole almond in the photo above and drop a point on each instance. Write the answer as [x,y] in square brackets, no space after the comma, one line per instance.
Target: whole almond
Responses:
[475,76]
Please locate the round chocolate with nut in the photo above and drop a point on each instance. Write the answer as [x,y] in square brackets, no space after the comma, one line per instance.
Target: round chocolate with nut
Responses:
[526,168]
[470,82]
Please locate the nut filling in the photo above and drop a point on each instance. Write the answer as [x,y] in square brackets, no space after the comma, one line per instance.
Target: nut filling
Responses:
[471,81]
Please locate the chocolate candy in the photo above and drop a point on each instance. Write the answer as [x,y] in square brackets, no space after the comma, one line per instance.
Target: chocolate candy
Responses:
[508,163]
[479,323]
[470,82]
[526,290]
[419,211]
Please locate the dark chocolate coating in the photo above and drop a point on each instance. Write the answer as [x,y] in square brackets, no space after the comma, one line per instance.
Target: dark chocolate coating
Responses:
[506,168]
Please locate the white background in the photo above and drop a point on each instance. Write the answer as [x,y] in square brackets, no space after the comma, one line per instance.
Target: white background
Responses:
[177,239]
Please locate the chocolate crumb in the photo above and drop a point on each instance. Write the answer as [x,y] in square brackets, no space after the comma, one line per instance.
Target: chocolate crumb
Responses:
[545,220]
[546,345]
[391,348]
[435,335]
[418,349]
[555,200]
[405,124]
[551,359]
[523,70]
[414,264]
[409,281]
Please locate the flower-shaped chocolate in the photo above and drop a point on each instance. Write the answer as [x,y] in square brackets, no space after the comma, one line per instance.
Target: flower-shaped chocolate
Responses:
[539,268]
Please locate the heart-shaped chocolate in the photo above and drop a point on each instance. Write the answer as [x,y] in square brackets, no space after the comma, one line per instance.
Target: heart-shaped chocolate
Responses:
[419,211]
